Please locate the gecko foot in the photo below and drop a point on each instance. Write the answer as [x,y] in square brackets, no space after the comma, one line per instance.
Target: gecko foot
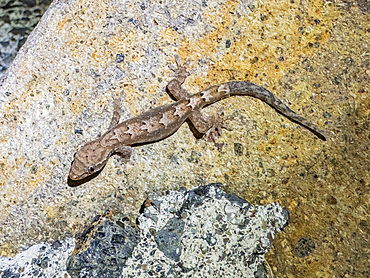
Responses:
[180,71]
[218,125]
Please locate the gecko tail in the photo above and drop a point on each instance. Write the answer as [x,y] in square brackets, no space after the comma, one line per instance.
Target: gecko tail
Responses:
[253,90]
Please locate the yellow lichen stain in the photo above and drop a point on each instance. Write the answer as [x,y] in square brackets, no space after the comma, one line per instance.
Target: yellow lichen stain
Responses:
[7,250]
[81,28]
[264,53]
[52,210]
[61,23]
[27,182]
[94,56]
[255,47]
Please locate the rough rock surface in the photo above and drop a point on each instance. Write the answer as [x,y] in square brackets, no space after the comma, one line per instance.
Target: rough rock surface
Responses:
[41,260]
[203,232]
[312,54]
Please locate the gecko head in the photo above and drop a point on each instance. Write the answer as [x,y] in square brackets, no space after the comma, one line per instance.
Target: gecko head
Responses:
[88,160]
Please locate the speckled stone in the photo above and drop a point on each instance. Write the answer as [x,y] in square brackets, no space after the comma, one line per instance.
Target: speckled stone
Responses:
[102,249]
[41,260]
[57,94]
[17,20]
[303,247]
[203,232]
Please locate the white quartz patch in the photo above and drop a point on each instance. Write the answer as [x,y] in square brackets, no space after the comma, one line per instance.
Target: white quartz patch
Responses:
[40,260]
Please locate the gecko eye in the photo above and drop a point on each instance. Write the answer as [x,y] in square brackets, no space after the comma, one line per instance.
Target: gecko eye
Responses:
[91,169]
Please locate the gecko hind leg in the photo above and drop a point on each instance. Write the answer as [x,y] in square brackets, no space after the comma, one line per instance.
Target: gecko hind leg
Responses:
[199,123]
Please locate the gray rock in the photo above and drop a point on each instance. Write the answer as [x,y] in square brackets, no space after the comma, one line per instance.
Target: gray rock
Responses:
[105,249]
[168,239]
[40,260]
[203,232]
[209,234]
[17,20]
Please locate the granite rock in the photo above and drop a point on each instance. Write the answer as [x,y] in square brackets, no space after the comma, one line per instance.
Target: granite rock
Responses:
[203,232]
[17,20]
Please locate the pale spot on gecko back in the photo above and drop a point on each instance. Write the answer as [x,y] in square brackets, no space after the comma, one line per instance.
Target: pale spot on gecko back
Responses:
[181,109]
[194,101]
[134,129]
[206,95]
[115,136]
[167,118]
[224,89]
[152,124]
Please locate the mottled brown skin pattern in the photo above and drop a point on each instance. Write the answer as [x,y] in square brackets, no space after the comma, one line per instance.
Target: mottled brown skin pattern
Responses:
[163,121]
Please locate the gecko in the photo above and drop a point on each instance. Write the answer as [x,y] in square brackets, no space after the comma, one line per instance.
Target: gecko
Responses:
[161,122]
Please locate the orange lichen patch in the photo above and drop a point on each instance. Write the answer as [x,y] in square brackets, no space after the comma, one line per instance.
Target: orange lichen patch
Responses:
[62,22]
[286,31]
[170,36]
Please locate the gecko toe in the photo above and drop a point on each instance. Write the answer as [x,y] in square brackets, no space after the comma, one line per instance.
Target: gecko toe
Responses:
[178,60]
[187,63]
[180,71]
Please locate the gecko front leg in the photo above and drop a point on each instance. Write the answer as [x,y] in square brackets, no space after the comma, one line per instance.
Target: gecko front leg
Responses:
[116,111]
[122,150]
